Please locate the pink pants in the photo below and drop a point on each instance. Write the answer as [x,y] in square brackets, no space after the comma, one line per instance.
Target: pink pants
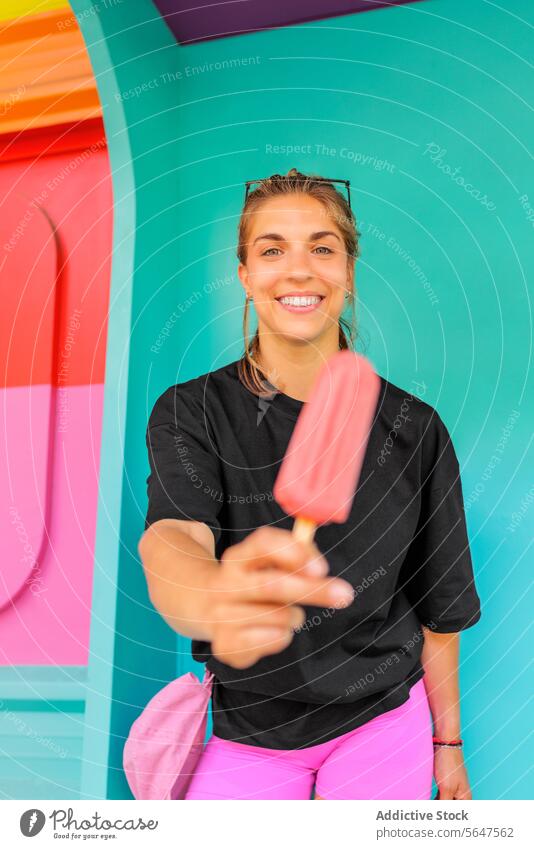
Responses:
[390,757]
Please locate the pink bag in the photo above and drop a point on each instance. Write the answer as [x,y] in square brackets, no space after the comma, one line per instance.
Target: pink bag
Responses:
[165,742]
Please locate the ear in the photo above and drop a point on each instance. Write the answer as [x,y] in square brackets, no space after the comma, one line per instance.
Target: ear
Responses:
[351,276]
[242,273]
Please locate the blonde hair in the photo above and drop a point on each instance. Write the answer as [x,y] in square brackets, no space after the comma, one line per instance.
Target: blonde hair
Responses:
[338,209]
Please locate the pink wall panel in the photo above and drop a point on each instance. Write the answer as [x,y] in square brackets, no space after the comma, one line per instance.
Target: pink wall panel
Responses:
[55,257]
[48,621]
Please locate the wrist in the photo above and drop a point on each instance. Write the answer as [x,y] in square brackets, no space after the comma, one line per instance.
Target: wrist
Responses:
[447,732]
[447,725]
[202,603]
[448,742]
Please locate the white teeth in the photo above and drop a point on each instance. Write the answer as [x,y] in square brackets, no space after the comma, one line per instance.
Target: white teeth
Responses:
[301,301]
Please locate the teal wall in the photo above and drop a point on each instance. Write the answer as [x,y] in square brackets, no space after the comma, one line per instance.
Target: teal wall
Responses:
[41,731]
[425,109]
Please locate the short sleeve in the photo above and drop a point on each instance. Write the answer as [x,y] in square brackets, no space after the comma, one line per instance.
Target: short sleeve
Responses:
[185,476]
[437,574]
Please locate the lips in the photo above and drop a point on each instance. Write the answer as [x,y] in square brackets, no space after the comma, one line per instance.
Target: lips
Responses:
[301,309]
[300,295]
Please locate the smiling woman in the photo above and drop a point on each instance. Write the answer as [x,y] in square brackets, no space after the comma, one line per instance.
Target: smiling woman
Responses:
[342,704]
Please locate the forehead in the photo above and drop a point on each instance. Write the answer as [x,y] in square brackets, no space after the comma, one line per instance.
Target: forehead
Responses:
[291,213]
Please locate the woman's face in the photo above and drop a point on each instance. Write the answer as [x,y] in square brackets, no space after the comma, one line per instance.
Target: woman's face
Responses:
[294,250]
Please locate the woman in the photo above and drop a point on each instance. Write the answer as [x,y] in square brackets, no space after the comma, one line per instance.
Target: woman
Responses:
[332,659]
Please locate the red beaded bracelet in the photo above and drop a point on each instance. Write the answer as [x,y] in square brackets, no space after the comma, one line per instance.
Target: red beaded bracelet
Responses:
[453,743]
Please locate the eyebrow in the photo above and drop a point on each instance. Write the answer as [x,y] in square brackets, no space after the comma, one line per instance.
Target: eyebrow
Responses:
[313,237]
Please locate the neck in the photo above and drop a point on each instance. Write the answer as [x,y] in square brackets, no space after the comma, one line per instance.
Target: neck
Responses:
[292,364]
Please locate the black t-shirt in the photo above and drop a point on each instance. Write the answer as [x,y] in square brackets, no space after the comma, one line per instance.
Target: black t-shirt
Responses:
[215,449]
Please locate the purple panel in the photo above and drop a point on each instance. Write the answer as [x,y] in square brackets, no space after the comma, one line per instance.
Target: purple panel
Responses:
[206,19]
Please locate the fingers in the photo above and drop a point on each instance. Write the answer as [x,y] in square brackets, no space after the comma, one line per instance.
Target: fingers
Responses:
[273,585]
[248,645]
[268,546]
[253,615]
[250,631]
[247,632]
[463,793]
[445,792]
[259,589]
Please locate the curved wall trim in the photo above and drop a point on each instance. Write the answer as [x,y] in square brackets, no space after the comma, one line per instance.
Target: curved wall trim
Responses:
[107,546]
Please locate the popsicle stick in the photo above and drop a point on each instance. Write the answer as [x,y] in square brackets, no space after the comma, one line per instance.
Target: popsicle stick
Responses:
[304,529]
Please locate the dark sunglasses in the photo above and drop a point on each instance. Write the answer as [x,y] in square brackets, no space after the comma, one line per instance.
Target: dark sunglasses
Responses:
[346,183]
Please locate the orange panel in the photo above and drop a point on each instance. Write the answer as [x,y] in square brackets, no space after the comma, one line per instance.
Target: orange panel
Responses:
[46,73]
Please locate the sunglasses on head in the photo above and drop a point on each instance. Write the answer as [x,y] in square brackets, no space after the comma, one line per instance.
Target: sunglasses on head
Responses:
[346,183]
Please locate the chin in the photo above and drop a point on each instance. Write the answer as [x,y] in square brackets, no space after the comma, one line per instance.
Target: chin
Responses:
[304,337]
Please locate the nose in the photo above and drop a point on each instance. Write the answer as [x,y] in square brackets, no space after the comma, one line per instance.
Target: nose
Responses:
[299,263]
[299,274]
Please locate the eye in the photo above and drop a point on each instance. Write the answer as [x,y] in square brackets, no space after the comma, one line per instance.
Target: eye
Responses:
[267,252]
[324,248]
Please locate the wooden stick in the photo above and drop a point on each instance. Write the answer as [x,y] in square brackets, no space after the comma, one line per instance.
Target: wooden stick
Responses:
[304,529]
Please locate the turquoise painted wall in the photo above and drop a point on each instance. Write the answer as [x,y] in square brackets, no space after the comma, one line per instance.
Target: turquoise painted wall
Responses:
[425,109]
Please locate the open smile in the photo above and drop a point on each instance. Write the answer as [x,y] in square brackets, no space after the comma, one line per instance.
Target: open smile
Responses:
[300,303]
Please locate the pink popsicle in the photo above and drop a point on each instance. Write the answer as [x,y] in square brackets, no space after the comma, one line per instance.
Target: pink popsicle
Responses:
[319,475]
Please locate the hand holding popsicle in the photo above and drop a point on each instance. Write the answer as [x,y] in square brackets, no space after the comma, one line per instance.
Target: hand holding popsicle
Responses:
[319,475]
[253,601]
[265,578]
